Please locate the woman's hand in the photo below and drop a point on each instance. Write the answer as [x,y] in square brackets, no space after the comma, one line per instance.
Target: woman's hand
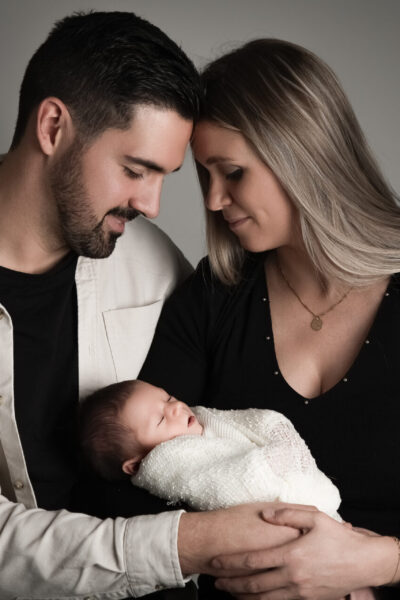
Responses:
[326,562]
[202,536]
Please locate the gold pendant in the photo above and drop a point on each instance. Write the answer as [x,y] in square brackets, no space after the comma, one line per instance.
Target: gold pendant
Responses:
[316,323]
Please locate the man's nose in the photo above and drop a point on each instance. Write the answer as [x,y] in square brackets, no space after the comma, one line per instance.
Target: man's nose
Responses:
[147,201]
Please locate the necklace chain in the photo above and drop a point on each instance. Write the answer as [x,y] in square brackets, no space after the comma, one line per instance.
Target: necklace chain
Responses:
[316,323]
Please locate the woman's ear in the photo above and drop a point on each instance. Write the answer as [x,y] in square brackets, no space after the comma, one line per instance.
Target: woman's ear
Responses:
[131,466]
[53,123]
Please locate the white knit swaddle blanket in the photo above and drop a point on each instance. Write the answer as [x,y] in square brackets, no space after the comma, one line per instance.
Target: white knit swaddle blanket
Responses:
[243,456]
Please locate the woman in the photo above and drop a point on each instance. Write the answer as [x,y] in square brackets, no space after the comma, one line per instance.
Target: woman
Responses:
[297,308]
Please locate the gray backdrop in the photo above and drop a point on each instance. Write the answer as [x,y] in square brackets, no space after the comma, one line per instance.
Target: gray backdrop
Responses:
[358,38]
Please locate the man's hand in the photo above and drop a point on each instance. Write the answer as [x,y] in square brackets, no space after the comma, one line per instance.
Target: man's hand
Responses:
[202,536]
[326,562]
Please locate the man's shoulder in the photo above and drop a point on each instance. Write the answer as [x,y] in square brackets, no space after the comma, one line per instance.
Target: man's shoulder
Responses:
[145,262]
[147,239]
[144,246]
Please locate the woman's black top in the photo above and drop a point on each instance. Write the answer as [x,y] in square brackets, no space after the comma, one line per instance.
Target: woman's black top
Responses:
[214,346]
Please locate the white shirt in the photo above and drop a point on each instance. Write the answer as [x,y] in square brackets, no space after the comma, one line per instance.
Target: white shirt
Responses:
[57,554]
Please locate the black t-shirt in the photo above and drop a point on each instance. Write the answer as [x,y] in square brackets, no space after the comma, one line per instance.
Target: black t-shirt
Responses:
[43,310]
[214,346]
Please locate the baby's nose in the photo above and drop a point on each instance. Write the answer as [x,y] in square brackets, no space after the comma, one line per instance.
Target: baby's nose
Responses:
[174,407]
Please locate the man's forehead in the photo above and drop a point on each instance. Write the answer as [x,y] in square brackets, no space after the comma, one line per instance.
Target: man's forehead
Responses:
[156,139]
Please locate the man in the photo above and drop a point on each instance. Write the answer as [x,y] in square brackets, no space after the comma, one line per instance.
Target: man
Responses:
[107,108]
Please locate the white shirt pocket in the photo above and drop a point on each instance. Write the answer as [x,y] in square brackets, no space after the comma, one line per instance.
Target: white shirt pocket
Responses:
[130,332]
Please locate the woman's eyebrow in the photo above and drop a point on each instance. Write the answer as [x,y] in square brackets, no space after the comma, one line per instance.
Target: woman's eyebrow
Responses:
[213,159]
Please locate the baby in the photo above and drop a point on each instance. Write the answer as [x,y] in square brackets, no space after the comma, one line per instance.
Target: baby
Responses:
[207,458]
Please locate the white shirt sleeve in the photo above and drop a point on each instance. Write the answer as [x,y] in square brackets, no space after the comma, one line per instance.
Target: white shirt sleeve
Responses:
[60,555]
[152,553]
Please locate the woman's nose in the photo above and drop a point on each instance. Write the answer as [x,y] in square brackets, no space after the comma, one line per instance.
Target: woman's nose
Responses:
[217,198]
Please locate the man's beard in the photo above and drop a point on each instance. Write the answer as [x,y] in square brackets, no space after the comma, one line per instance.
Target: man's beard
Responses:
[78,224]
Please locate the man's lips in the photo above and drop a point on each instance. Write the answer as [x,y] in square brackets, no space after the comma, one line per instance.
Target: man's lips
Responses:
[117,218]
[117,224]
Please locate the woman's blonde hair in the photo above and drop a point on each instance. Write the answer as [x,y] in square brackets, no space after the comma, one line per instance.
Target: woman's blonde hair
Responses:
[291,109]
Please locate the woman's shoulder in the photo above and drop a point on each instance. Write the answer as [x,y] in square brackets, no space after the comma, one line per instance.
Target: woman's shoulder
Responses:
[204,299]
[395,283]
[205,277]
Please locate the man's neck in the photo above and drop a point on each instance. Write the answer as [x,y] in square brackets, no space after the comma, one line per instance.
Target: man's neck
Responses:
[28,236]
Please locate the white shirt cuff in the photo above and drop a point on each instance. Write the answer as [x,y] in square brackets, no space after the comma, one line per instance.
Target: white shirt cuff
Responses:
[151,553]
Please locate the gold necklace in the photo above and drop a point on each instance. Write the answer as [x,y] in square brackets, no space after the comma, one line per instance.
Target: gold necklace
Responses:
[316,321]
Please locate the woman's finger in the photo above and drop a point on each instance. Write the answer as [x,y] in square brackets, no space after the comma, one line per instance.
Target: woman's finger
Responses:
[293,517]
[281,594]
[260,583]
[256,560]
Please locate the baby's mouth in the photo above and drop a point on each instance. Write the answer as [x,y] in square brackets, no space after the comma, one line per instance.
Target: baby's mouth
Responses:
[191,420]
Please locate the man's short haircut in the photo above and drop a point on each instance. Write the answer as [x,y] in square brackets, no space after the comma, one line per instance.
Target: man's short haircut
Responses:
[105,441]
[102,64]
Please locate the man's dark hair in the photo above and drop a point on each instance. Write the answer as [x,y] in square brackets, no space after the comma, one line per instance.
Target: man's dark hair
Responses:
[105,441]
[102,64]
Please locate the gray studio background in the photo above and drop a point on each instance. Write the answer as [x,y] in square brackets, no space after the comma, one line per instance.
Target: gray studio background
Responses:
[358,38]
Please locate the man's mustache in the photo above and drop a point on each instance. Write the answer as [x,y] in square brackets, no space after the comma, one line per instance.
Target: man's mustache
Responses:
[125,213]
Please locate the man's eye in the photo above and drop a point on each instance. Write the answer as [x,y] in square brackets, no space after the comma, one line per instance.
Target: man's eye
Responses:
[132,174]
[234,175]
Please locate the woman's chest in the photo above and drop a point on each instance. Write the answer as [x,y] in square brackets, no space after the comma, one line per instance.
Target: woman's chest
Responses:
[352,429]
[313,359]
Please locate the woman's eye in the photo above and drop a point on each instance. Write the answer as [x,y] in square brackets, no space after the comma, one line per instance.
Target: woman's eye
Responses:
[132,174]
[234,175]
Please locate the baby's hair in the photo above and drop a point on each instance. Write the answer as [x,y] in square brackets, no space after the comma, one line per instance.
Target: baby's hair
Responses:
[105,441]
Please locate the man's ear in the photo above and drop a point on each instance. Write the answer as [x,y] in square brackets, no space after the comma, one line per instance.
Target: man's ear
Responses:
[53,122]
[131,466]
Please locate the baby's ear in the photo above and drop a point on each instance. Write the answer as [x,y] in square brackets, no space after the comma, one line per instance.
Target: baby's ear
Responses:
[131,466]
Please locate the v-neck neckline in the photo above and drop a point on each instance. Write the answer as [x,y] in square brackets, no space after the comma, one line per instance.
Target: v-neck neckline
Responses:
[269,336]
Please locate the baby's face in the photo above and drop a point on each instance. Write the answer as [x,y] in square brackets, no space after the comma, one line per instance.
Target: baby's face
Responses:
[154,416]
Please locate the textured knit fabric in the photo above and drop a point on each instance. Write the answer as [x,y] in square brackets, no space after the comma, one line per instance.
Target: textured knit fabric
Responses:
[243,456]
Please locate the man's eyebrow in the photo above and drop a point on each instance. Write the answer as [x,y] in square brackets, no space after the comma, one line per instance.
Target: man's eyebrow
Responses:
[149,164]
[215,159]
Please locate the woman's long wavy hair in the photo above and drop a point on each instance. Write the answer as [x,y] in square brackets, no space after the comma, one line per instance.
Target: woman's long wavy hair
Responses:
[291,109]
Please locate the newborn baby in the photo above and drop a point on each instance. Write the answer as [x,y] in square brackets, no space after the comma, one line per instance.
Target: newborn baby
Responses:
[204,457]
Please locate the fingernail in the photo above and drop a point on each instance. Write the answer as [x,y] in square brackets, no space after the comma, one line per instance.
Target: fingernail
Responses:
[268,514]
[216,563]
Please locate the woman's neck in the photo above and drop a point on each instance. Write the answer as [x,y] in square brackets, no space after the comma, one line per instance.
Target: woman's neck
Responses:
[293,266]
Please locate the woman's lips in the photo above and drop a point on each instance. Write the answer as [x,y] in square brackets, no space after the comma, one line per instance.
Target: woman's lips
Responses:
[236,223]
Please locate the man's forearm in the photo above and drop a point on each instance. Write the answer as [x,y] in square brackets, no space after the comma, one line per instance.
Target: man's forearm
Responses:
[202,536]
